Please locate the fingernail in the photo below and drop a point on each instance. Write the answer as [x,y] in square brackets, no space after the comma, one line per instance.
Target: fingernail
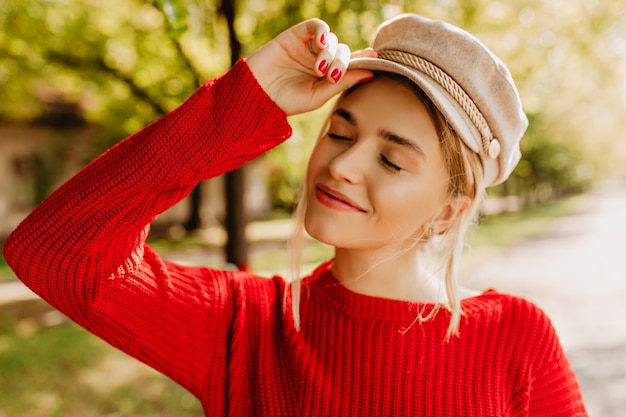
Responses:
[336,75]
[323,66]
[323,39]
[366,79]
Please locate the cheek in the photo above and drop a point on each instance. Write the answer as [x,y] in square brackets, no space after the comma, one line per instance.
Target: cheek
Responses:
[408,205]
[317,162]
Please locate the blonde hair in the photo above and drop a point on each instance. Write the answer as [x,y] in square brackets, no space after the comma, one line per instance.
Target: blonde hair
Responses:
[465,173]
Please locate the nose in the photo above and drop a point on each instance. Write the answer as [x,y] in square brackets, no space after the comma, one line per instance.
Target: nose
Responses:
[348,165]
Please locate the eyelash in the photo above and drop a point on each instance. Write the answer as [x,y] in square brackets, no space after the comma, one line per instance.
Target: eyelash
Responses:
[388,164]
[334,136]
[383,160]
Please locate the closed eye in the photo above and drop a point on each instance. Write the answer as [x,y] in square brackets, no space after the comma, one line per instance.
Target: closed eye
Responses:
[388,164]
[335,136]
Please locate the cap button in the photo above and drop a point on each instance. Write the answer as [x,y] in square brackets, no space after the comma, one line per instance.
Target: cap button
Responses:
[494,148]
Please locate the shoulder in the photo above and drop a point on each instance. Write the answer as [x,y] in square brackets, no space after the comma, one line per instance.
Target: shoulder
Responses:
[509,319]
[520,327]
[501,308]
[516,337]
[256,293]
[225,290]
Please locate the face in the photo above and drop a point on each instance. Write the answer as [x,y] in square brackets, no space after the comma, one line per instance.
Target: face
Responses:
[377,178]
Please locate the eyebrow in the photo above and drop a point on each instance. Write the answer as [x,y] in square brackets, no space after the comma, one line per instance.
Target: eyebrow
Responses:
[346,115]
[384,133]
[407,143]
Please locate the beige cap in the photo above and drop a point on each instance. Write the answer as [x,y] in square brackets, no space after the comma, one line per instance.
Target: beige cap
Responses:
[471,87]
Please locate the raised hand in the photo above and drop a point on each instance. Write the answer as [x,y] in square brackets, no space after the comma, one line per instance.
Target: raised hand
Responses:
[305,66]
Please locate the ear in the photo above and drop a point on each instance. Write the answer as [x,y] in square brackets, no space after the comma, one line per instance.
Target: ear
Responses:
[453,209]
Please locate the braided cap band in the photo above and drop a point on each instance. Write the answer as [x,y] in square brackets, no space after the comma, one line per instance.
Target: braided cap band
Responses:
[467,83]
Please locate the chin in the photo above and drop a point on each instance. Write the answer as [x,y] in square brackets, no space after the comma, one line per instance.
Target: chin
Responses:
[317,233]
[324,233]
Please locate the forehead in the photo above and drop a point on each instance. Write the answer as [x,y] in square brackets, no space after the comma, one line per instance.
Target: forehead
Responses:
[392,78]
[388,101]
[386,86]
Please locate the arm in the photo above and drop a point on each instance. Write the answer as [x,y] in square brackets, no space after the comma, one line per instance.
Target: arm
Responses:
[98,220]
[83,251]
[83,248]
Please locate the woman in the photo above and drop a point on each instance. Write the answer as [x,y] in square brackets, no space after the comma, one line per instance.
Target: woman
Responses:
[426,121]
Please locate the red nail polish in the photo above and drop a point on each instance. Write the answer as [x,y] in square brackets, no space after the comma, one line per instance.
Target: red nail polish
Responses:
[336,75]
[366,79]
[323,39]
[323,66]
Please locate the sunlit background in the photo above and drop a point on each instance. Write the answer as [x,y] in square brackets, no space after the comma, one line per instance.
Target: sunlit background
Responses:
[77,76]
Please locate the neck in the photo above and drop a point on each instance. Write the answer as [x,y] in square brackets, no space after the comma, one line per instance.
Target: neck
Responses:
[398,277]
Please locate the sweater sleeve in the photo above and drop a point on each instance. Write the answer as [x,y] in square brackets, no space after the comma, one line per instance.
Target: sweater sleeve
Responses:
[83,250]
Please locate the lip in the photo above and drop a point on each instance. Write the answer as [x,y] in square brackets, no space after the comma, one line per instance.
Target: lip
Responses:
[335,200]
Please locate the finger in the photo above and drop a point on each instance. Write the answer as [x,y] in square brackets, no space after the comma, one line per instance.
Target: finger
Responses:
[339,64]
[317,34]
[326,56]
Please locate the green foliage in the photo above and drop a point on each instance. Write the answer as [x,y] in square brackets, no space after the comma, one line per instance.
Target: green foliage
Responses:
[552,165]
[114,57]
[548,169]
[176,14]
[353,21]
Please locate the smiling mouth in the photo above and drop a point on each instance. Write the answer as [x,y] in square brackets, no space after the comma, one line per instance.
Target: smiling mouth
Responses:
[335,200]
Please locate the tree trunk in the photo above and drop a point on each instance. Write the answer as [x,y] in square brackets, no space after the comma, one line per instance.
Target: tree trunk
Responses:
[236,221]
[194,222]
[237,243]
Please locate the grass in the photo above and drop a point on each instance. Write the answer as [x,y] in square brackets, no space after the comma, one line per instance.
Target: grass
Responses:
[274,261]
[62,370]
[5,272]
[65,371]
[505,229]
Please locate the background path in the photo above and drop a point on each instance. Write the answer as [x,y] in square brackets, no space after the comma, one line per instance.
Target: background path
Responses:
[576,272]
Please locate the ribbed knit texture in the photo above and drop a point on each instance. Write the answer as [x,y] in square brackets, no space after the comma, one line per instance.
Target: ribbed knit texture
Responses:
[223,334]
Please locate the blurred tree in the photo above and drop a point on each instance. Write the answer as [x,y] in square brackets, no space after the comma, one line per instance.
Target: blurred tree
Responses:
[236,219]
[126,62]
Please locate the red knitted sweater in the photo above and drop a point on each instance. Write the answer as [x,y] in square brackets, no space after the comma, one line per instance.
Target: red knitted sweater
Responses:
[223,334]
